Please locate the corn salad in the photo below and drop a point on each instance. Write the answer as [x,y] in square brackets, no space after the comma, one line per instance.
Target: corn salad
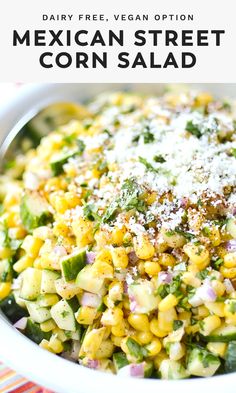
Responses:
[118,237]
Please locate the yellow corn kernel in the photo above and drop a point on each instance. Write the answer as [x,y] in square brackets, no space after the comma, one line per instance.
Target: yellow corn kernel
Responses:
[48,261]
[72,199]
[119,329]
[203,99]
[103,269]
[83,231]
[190,279]
[55,344]
[67,290]
[86,315]
[10,200]
[151,197]
[12,219]
[214,236]
[32,245]
[141,268]
[139,322]
[17,233]
[43,233]
[230,260]
[119,257]
[155,329]
[209,324]
[117,236]
[112,317]
[192,329]
[154,347]
[104,256]
[145,337]
[166,319]
[197,254]
[203,311]
[60,204]
[152,268]
[105,350]
[116,340]
[60,228]
[185,316]
[5,289]
[217,308]
[48,326]
[92,342]
[116,291]
[166,260]
[45,345]
[218,287]
[162,355]
[102,238]
[5,253]
[143,247]
[173,240]
[23,263]
[168,302]
[176,351]
[217,349]
[228,272]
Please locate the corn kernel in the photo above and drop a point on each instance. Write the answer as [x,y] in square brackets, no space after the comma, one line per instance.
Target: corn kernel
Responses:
[152,268]
[32,245]
[116,291]
[218,287]
[139,322]
[197,254]
[189,279]
[83,231]
[209,324]
[55,344]
[173,240]
[86,315]
[228,272]
[92,341]
[217,308]
[154,347]
[117,236]
[119,329]
[112,317]
[230,260]
[166,260]
[155,329]
[145,337]
[168,302]
[116,340]
[23,263]
[48,326]
[166,319]
[104,256]
[203,311]
[5,253]
[217,349]
[119,257]
[5,289]
[45,345]
[143,247]
[176,351]
[103,269]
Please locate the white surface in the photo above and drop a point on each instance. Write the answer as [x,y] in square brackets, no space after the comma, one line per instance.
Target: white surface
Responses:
[41,366]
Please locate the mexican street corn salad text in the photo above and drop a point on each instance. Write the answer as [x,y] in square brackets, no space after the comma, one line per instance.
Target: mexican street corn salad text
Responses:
[118,237]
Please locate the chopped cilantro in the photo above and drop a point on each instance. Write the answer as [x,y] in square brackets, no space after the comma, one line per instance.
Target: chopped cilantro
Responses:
[218,263]
[90,212]
[177,324]
[136,350]
[159,159]
[193,129]
[81,146]
[203,274]
[232,306]
[234,152]
[147,164]
[206,231]
[148,137]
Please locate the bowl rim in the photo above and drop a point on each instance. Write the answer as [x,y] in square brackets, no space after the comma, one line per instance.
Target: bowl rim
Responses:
[53,371]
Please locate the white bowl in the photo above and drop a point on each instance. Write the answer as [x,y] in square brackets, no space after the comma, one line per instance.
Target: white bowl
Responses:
[22,354]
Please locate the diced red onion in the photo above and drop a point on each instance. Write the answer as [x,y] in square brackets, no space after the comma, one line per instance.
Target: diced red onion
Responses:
[164,278]
[228,285]
[21,324]
[133,303]
[90,300]
[184,202]
[137,370]
[93,364]
[132,370]
[90,257]
[231,245]
[234,211]
[60,251]
[132,258]
[207,293]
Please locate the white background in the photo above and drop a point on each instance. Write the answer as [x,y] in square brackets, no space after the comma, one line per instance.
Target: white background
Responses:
[214,64]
